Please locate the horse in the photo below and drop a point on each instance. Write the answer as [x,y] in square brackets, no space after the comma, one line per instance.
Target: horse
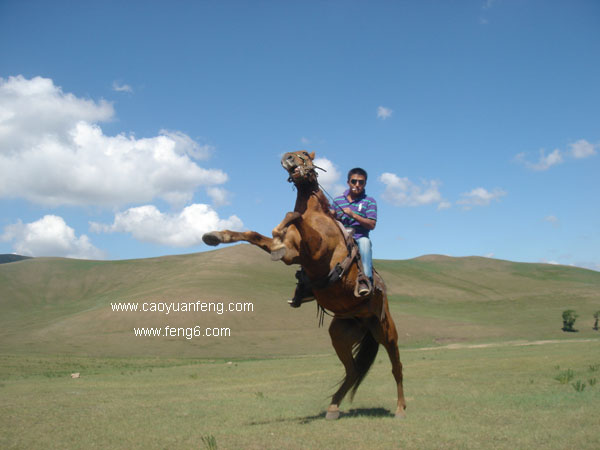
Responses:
[311,236]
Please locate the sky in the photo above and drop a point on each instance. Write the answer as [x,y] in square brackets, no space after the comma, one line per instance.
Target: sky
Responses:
[129,129]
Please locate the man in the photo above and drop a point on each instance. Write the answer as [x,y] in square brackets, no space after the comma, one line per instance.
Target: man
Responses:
[356,211]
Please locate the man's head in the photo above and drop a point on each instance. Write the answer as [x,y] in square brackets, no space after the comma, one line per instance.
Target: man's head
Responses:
[357,180]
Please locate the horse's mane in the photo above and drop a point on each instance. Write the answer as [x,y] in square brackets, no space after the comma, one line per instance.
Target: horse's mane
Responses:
[325,205]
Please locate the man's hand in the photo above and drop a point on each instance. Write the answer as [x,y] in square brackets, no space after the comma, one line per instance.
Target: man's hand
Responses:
[369,224]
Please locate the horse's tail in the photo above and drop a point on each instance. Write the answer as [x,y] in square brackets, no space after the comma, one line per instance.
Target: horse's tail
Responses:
[364,356]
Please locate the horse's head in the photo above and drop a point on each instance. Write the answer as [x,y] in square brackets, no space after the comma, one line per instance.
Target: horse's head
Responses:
[300,167]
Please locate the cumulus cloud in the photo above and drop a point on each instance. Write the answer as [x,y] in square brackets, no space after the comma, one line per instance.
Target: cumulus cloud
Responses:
[119,87]
[384,113]
[582,149]
[403,192]
[330,180]
[219,196]
[552,219]
[50,236]
[184,229]
[544,161]
[53,152]
[480,197]
[577,150]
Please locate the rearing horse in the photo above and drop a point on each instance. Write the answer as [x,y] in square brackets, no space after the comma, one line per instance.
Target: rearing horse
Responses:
[310,236]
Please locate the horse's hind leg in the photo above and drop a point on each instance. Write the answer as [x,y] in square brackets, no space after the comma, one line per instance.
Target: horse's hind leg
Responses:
[386,334]
[344,334]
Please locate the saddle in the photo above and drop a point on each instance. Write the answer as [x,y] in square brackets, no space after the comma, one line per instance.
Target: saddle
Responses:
[341,268]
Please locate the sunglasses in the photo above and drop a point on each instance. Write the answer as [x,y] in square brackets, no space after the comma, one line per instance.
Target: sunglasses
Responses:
[359,182]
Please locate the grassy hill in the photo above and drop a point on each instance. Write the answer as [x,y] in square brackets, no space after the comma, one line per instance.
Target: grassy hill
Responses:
[159,392]
[56,305]
[8,258]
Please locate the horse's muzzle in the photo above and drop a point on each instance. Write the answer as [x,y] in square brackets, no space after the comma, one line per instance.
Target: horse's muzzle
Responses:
[289,162]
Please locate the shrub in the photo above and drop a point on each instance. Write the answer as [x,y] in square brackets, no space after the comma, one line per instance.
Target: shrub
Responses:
[569,317]
[565,377]
[210,442]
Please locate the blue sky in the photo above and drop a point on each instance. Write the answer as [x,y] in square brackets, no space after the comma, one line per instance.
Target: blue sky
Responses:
[128,129]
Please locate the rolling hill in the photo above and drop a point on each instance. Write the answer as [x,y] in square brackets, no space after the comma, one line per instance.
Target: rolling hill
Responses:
[63,306]
[8,258]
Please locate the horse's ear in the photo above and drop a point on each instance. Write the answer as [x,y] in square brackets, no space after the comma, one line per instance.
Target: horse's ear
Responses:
[312,156]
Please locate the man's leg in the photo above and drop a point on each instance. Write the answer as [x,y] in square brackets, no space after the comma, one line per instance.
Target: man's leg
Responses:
[303,291]
[366,256]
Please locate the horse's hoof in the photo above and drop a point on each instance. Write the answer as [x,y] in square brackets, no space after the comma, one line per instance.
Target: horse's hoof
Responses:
[213,238]
[400,414]
[333,413]
[276,255]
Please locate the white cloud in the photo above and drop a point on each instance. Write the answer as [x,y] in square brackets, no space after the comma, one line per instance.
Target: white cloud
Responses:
[403,192]
[219,196]
[479,197]
[330,180]
[552,219]
[52,152]
[444,205]
[582,149]
[185,229]
[185,145]
[50,236]
[384,113]
[119,87]
[34,110]
[552,262]
[544,161]
[578,150]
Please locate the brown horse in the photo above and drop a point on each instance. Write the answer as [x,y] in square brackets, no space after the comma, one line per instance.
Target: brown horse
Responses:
[310,236]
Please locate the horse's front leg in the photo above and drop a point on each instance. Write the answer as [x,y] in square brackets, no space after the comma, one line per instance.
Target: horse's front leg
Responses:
[272,246]
[215,238]
[280,246]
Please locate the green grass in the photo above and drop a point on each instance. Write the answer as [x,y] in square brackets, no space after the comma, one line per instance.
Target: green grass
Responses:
[502,397]
[268,385]
[53,305]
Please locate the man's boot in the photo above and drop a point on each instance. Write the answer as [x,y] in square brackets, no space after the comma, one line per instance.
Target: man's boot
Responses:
[303,292]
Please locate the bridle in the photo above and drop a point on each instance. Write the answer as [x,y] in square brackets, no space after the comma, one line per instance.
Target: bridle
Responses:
[305,170]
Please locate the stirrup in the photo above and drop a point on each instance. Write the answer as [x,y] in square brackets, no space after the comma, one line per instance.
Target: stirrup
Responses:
[363,288]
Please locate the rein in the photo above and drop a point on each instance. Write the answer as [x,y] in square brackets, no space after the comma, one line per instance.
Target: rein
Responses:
[336,273]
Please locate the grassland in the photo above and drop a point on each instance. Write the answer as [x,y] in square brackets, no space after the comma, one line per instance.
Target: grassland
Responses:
[487,398]
[52,305]
[467,326]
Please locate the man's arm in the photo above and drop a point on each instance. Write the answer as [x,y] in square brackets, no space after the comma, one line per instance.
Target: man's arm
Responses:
[369,224]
